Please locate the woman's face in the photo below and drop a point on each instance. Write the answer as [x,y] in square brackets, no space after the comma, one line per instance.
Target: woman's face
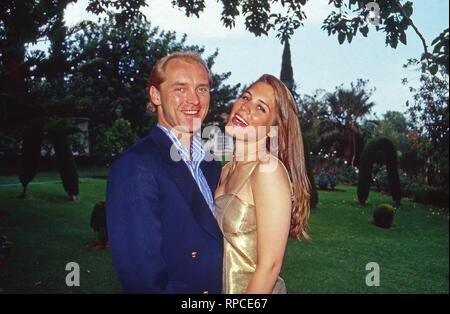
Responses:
[253,113]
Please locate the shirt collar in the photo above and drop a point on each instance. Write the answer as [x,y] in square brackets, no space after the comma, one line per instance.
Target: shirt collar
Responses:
[197,150]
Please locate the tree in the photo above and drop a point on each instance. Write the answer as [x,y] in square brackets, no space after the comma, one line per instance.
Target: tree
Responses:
[347,19]
[287,74]
[25,22]
[394,126]
[111,64]
[26,77]
[222,96]
[341,119]
[287,77]
[430,121]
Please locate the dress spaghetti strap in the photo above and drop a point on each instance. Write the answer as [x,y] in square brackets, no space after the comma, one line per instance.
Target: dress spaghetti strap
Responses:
[246,179]
[288,176]
[242,184]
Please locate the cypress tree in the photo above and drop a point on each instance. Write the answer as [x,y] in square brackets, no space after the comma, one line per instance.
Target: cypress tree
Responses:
[287,74]
[287,77]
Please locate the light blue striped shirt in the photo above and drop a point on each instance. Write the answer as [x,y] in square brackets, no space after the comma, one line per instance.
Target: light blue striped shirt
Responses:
[198,154]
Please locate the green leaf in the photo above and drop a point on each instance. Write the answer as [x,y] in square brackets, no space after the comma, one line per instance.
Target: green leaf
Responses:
[394,42]
[341,38]
[364,31]
[349,37]
[437,48]
[435,40]
[384,14]
[408,8]
[403,38]
[433,69]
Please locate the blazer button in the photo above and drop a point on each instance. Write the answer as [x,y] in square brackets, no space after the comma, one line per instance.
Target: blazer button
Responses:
[194,254]
[205,292]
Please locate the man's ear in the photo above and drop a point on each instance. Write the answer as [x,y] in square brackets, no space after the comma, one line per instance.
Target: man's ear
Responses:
[154,95]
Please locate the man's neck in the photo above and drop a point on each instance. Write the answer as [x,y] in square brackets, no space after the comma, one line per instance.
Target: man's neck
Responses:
[184,137]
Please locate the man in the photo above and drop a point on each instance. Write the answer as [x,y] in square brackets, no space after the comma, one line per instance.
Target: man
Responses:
[162,232]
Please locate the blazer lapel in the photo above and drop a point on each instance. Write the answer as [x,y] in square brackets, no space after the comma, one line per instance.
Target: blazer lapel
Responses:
[181,175]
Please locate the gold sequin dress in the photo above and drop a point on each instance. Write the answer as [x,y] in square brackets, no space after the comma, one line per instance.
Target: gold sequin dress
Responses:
[237,220]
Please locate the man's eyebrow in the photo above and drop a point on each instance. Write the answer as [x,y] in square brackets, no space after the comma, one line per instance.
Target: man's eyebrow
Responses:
[181,83]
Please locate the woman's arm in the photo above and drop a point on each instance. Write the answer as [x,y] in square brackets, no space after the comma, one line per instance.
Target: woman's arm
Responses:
[272,197]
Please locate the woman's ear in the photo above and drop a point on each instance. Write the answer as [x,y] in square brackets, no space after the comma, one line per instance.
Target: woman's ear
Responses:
[155,95]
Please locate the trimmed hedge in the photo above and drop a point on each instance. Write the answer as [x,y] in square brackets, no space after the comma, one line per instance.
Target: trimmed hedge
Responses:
[432,196]
[65,163]
[31,152]
[382,151]
[98,222]
[383,216]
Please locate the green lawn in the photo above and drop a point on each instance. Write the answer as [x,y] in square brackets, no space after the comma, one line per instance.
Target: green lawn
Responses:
[48,232]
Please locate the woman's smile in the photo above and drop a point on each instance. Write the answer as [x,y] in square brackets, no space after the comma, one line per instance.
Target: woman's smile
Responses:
[239,121]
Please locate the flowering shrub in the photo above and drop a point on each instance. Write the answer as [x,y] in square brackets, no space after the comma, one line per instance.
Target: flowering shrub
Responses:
[348,174]
[326,170]
[330,170]
[322,179]
[380,178]
[410,186]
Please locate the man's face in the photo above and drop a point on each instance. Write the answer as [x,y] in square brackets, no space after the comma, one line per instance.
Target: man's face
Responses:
[182,100]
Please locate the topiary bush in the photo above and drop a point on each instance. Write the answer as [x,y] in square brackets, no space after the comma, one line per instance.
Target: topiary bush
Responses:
[31,152]
[381,151]
[383,216]
[58,130]
[98,222]
[66,164]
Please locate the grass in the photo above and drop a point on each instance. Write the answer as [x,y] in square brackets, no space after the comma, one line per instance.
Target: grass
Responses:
[413,258]
[48,232]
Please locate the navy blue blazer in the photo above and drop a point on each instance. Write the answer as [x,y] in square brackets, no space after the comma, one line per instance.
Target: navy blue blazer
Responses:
[162,234]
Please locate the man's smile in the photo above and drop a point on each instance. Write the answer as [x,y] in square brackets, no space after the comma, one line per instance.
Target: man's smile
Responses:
[190,112]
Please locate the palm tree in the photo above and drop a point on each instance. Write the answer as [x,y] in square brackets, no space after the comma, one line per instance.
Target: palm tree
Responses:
[340,122]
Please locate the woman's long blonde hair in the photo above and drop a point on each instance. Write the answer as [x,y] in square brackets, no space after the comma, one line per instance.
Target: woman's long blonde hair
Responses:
[291,153]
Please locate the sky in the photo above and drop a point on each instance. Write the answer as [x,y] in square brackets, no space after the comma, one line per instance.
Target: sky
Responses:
[318,61]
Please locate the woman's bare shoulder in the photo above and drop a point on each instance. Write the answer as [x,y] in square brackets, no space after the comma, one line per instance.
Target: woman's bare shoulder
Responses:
[271,171]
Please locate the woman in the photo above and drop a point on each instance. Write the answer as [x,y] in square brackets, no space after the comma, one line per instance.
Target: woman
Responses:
[261,200]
